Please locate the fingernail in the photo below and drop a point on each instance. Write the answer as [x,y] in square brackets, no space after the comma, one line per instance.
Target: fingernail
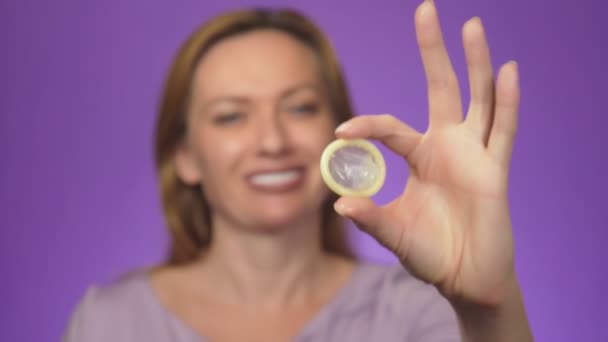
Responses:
[340,208]
[342,127]
[515,79]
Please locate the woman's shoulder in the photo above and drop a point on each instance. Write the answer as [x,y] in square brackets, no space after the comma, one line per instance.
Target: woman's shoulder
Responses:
[392,286]
[393,281]
[396,300]
[108,311]
[120,291]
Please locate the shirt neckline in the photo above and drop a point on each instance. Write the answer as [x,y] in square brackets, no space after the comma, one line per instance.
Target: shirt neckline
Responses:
[310,328]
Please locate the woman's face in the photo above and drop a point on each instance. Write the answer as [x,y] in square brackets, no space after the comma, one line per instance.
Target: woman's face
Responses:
[258,123]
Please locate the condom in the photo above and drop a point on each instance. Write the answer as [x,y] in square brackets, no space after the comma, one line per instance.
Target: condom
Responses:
[353,167]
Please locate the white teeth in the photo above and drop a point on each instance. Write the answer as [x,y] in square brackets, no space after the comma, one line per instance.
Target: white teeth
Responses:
[275,178]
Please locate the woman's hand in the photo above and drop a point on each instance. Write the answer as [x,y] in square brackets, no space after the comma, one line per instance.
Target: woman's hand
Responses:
[451,225]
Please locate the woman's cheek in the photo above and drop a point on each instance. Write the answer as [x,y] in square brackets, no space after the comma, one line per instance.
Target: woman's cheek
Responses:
[231,147]
[222,149]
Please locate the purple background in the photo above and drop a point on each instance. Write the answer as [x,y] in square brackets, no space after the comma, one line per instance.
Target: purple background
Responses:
[79,83]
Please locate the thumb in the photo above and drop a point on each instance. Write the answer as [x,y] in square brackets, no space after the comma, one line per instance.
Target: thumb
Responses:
[372,219]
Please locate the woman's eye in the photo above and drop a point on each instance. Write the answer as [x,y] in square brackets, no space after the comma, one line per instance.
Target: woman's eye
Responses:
[309,108]
[228,118]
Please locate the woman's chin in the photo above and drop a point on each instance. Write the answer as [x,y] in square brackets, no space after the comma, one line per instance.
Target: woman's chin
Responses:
[274,213]
[277,221]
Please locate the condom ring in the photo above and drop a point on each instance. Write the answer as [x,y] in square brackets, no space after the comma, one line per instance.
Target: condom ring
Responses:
[353,167]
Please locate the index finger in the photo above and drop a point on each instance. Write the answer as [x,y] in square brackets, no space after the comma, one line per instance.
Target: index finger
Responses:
[390,131]
[444,95]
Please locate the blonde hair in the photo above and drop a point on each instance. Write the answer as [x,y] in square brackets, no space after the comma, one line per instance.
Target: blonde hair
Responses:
[186,210]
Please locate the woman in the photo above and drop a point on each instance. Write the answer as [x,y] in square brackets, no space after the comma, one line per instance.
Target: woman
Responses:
[258,252]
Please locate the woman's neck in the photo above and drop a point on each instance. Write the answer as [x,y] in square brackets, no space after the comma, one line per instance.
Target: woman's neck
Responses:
[271,270]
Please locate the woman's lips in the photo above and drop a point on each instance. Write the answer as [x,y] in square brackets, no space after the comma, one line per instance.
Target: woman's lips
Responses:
[277,180]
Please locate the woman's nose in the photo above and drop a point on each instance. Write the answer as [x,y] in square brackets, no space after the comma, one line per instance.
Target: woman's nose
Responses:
[273,136]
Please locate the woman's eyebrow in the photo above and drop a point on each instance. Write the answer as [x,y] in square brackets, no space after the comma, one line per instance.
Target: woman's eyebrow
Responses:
[300,87]
[241,100]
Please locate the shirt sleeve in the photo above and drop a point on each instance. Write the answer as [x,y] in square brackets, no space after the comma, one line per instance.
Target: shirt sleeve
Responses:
[425,315]
[82,326]
[437,322]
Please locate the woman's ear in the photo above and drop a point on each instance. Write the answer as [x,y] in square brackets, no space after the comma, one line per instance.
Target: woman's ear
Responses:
[186,166]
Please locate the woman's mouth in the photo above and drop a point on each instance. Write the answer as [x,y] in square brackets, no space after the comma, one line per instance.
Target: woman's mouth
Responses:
[276,181]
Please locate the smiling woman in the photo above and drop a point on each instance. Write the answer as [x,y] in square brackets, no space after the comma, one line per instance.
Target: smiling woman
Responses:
[272,73]
[258,251]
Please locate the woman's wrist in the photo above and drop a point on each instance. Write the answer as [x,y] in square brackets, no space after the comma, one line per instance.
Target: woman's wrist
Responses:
[505,321]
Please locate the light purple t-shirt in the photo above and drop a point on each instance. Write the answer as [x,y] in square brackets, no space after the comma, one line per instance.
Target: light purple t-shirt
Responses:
[379,303]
